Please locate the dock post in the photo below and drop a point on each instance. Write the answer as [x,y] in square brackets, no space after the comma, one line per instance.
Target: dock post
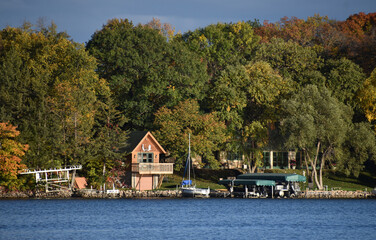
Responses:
[232,189]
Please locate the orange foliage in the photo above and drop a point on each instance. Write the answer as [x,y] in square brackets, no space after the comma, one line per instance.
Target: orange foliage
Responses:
[11,152]
[354,38]
[359,25]
[165,29]
[295,29]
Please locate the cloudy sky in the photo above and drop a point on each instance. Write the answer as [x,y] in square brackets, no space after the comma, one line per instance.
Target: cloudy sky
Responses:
[81,18]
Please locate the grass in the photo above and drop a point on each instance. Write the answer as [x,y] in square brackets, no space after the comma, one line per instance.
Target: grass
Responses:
[334,180]
[174,181]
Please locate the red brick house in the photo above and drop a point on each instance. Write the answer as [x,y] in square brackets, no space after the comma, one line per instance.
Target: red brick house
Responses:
[145,172]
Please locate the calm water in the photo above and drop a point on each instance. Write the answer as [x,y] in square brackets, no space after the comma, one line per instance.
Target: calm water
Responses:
[188,219]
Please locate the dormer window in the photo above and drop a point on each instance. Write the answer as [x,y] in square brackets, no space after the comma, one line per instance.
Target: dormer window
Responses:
[145,157]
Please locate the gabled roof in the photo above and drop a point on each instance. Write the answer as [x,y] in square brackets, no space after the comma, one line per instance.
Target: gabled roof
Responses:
[135,138]
[80,182]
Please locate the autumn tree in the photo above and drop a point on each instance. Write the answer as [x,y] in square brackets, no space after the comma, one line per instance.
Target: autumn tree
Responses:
[366,97]
[11,152]
[164,29]
[310,32]
[174,125]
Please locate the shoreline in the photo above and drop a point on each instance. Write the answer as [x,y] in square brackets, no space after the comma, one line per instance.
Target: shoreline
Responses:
[169,194]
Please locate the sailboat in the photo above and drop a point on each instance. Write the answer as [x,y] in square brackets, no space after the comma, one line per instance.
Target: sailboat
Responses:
[187,187]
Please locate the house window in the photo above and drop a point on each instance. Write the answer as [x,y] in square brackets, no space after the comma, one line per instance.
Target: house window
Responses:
[145,157]
[266,158]
[234,156]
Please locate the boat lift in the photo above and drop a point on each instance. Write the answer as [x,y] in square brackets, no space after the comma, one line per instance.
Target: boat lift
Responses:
[53,179]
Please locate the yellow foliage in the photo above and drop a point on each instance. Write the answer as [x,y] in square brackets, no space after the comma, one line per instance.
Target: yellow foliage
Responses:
[367,97]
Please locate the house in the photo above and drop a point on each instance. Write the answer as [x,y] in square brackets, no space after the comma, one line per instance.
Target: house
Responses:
[271,160]
[145,171]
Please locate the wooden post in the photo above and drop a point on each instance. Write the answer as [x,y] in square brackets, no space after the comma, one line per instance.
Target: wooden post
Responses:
[46,182]
[271,159]
[232,189]
[73,177]
[161,177]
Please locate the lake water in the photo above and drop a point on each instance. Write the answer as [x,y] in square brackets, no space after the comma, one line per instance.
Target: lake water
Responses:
[188,219]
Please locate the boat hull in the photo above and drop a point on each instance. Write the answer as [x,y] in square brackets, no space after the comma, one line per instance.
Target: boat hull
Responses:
[195,192]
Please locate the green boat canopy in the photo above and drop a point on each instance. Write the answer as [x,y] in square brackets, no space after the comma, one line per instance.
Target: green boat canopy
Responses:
[277,177]
[253,182]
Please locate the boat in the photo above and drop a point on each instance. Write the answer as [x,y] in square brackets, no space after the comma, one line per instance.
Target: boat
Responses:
[188,188]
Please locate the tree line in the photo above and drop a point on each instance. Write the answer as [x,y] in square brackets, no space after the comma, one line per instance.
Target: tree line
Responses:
[306,85]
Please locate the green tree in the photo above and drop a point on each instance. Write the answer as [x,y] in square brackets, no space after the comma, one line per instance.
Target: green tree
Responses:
[174,125]
[228,96]
[48,88]
[316,123]
[11,151]
[265,90]
[300,64]
[359,146]
[108,140]
[246,99]
[145,71]
[223,44]
[343,78]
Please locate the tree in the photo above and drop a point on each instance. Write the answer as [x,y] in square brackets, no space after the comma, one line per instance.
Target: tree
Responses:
[108,140]
[343,78]
[316,123]
[304,32]
[359,32]
[174,125]
[265,90]
[366,97]
[145,71]
[246,99]
[11,152]
[359,146]
[228,96]
[48,87]
[223,44]
[300,64]
[164,29]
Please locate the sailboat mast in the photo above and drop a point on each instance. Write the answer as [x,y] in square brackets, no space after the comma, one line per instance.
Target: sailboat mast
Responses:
[189,157]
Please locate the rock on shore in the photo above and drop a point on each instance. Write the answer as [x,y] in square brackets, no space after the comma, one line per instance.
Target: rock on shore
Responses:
[336,194]
[87,193]
[128,194]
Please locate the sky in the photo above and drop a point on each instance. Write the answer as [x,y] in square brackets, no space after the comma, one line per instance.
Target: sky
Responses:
[81,18]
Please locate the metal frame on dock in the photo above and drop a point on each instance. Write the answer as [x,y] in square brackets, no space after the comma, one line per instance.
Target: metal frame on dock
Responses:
[264,184]
[53,178]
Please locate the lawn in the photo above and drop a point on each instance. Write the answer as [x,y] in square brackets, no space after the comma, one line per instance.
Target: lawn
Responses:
[174,181]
